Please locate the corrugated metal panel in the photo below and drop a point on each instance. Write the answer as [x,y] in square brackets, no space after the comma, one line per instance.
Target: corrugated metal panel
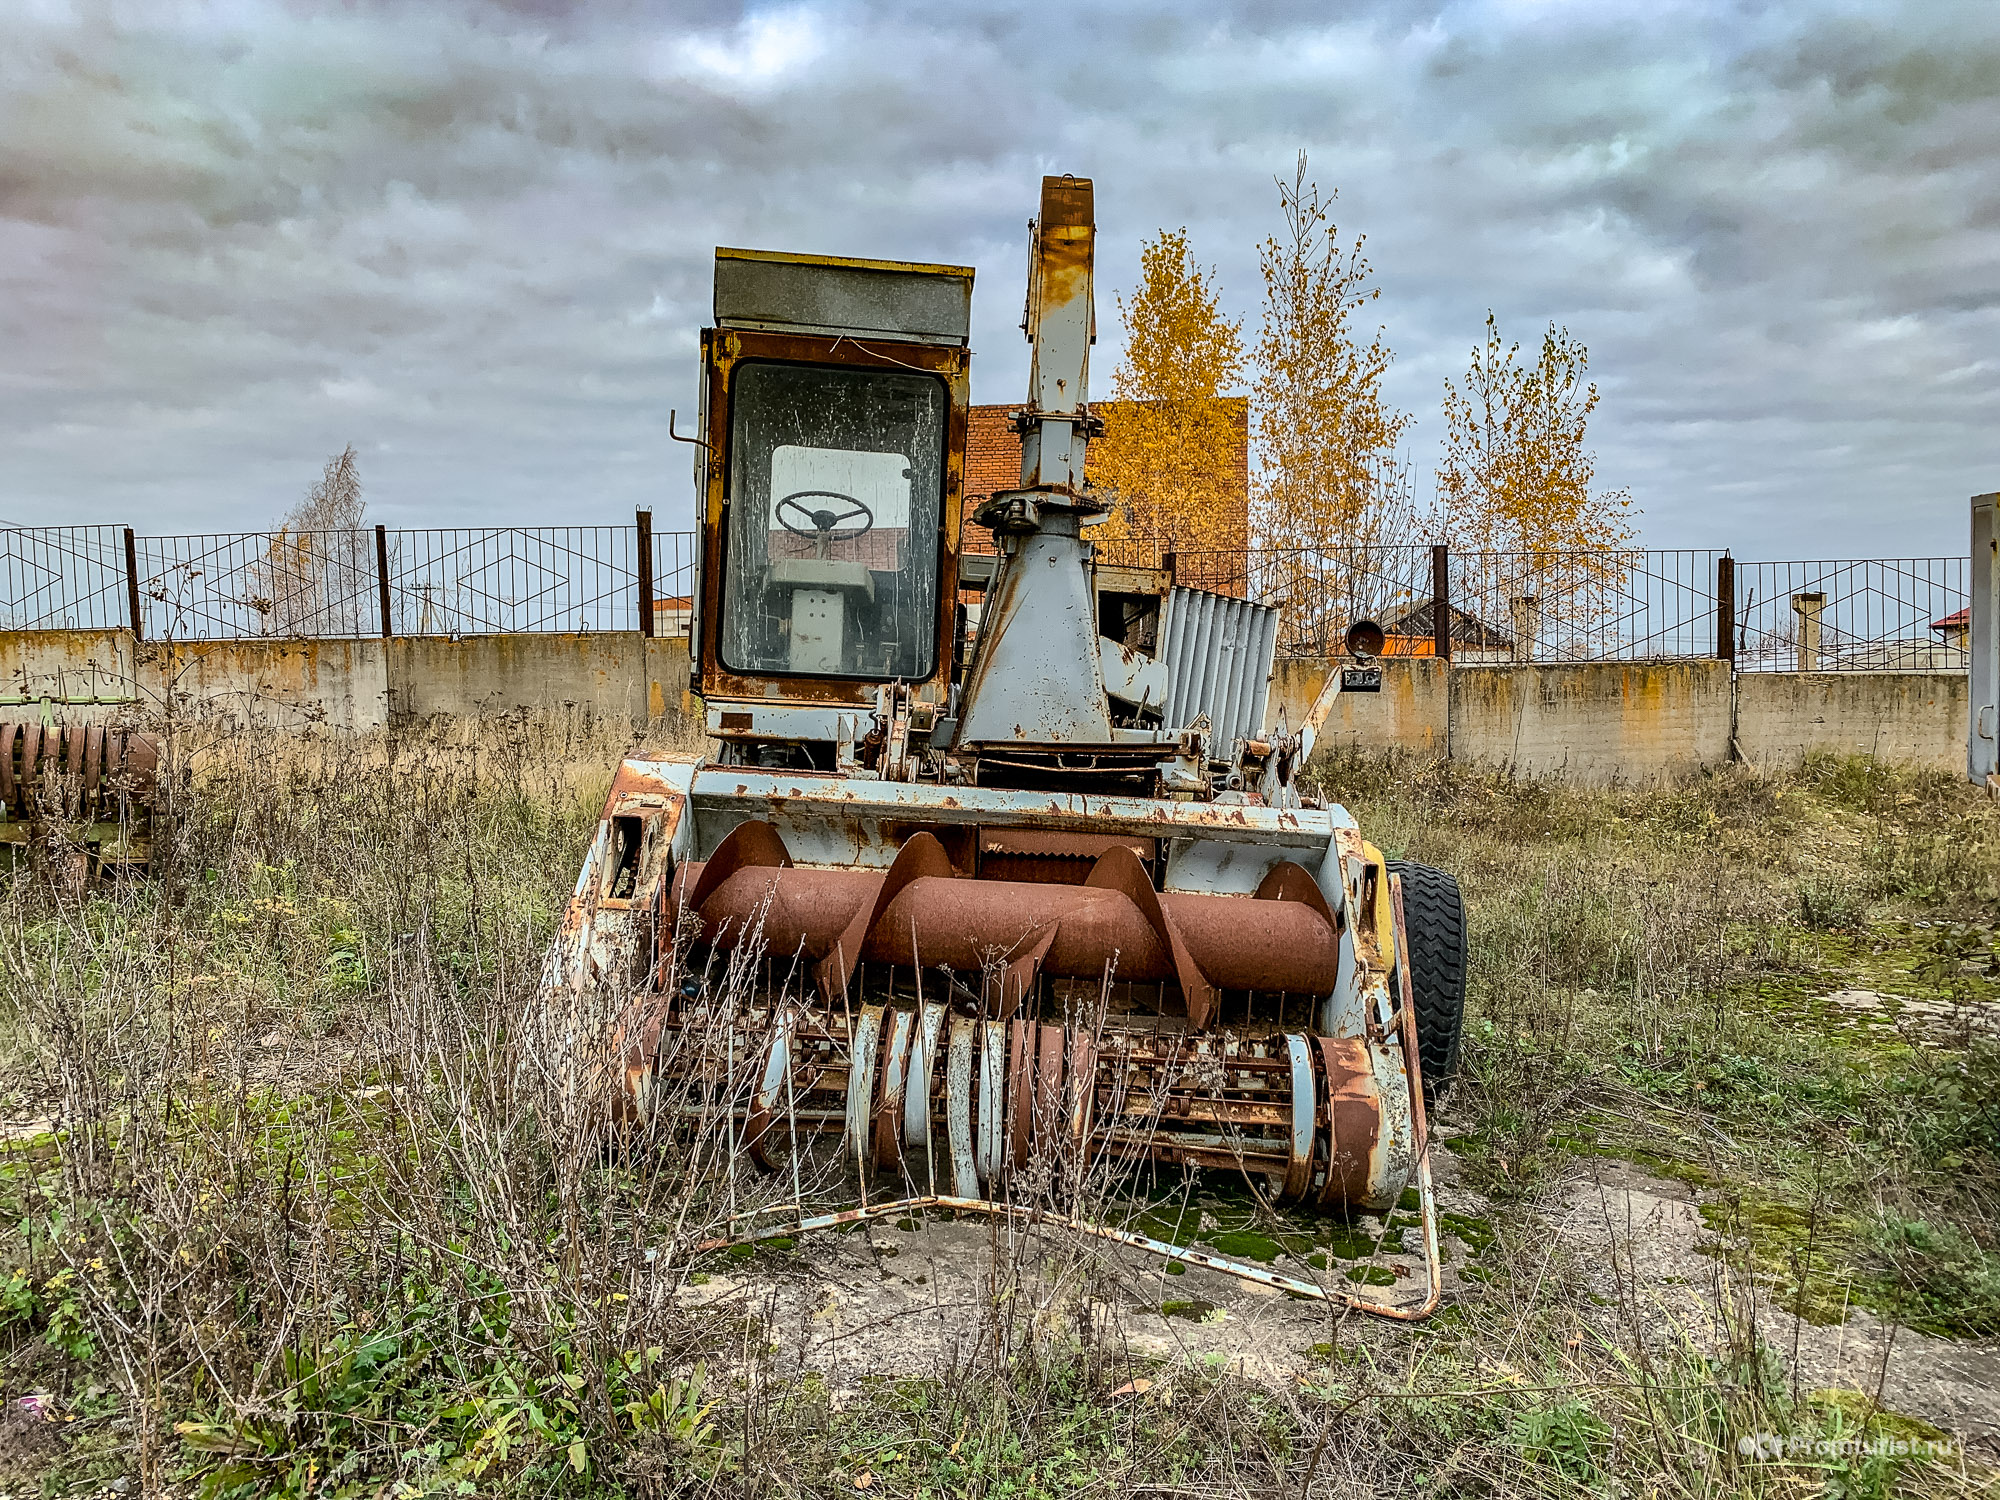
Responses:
[1218,652]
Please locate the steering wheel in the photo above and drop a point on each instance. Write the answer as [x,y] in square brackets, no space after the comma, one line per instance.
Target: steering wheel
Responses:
[820,523]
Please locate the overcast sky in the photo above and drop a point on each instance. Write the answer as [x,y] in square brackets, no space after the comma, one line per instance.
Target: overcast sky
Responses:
[474,239]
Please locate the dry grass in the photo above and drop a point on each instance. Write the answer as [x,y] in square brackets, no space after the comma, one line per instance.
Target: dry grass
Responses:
[309,1197]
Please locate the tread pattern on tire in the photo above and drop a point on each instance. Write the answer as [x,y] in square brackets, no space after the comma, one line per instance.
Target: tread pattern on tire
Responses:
[1434,916]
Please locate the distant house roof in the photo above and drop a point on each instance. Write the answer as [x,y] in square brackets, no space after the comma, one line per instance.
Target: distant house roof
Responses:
[1466,630]
[1957,620]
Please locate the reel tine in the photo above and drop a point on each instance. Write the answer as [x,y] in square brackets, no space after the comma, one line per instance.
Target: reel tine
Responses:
[861,1090]
[992,1110]
[917,1091]
[777,1074]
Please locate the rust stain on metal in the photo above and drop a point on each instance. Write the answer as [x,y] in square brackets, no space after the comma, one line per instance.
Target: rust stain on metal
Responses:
[922,913]
[96,783]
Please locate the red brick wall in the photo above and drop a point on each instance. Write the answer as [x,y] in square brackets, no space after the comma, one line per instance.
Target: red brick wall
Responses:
[993,463]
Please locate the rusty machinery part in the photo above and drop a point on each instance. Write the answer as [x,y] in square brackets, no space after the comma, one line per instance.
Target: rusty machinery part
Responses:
[985,852]
[76,772]
[938,1101]
[936,1109]
[939,1109]
[922,913]
[1408,1311]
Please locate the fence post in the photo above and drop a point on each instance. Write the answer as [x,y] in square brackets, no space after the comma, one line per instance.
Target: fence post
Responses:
[645,520]
[1808,608]
[1725,609]
[132,585]
[382,575]
[1441,602]
[1982,741]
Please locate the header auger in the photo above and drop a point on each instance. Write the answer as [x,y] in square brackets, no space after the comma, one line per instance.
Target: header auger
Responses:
[1001,875]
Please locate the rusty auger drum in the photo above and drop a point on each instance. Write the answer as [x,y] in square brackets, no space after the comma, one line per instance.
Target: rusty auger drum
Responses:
[87,788]
[1000,878]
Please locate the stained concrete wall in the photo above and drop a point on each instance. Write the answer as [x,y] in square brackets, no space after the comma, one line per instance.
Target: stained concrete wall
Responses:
[343,684]
[89,671]
[1607,721]
[1599,722]
[1919,718]
[1412,712]
[272,684]
[484,675]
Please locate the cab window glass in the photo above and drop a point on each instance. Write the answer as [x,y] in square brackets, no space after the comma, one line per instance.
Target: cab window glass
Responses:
[836,485]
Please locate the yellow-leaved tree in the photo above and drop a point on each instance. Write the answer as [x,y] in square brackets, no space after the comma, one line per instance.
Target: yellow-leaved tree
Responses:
[317,574]
[1515,474]
[1516,483]
[1170,429]
[1333,492]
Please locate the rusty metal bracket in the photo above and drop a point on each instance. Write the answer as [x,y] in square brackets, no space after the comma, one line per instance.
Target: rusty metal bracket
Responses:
[920,855]
[677,437]
[1118,869]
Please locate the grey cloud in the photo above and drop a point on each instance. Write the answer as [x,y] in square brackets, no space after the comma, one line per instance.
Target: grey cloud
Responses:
[474,239]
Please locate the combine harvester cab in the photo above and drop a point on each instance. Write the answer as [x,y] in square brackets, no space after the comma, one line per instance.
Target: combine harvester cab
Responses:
[984,919]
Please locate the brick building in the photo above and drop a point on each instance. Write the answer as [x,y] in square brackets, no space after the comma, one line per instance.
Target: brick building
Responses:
[993,464]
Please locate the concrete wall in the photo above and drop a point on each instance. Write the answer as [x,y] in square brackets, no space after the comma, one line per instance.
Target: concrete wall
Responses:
[1638,721]
[89,670]
[275,684]
[1919,718]
[1598,723]
[1608,721]
[1412,712]
[351,685]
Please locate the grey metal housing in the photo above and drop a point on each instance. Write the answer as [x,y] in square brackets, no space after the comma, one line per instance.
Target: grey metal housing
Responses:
[1219,653]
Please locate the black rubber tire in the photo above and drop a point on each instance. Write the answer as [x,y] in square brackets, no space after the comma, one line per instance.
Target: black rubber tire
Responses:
[1434,919]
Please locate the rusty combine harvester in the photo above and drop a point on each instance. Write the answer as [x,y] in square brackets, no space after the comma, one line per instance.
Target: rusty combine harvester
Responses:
[975,914]
[88,788]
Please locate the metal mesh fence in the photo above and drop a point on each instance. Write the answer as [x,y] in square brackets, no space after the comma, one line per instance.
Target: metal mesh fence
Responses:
[1501,606]
[1320,591]
[236,585]
[676,557]
[1614,605]
[1875,615]
[330,584]
[461,581]
[63,578]
[1894,614]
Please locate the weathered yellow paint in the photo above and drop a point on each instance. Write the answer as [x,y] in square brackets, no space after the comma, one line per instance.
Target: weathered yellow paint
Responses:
[786,257]
[1385,910]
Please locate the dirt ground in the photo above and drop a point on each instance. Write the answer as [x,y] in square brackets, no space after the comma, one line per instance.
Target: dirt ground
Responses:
[1636,1236]
[1627,1244]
